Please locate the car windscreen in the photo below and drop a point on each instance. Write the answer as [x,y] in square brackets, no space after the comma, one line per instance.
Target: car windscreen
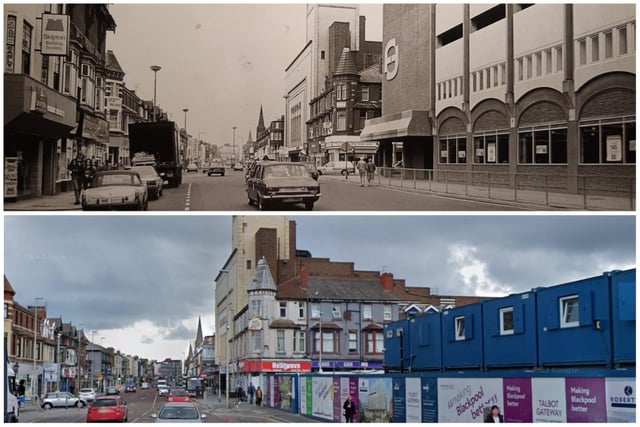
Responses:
[179,393]
[145,171]
[86,390]
[178,413]
[105,402]
[116,179]
[284,171]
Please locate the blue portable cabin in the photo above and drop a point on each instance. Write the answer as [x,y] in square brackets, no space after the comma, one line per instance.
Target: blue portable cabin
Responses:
[574,324]
[462,337]
[623,315]
[396,346]
[510,331]
[426,342]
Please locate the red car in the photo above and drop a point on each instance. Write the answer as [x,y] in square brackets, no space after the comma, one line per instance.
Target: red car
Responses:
[112,409]
[178,396]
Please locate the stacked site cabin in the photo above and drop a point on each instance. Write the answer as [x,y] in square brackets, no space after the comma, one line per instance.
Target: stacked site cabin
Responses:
[589,323]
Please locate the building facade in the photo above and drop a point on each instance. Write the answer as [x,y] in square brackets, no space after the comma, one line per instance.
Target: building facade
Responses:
[270,140]
[510,89]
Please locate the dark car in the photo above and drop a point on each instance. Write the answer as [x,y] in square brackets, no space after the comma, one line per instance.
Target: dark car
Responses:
[216,168]
[129,388]
[282,183]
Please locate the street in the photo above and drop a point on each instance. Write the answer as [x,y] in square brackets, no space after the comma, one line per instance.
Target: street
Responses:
[144,403]
[200,192]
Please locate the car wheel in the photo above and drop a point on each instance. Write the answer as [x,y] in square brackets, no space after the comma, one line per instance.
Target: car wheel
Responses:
[344,172]
[250,201]
[47,405]
[308,205]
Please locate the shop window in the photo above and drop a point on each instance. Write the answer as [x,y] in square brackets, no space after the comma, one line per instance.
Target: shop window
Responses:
[582,52]
[459,324]
[612,143]
[506,321]
[608,44]
[541,146]
[630,139]
[558,146]
[569,312]
[452,154]
[590,144]
[443,151]
[608,143]
[26,48]
[595,48]
[525,147]
[462,150]
[283,309]
[374,341]
[280,341]
[491,148]
[478,150]
[353,342]
[622,40]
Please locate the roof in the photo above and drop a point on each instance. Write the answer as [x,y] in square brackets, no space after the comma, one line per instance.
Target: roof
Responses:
[371,74]
[7,286]
[373,327]
[298,55]
[348,289]
[283,324]
[346,65]
[262,279]
[326,325]
[112,64]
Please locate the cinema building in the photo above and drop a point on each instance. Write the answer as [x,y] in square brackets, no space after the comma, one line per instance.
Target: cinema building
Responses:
[515,89]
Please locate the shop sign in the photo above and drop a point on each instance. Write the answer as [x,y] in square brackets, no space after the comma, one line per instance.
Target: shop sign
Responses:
[255,324]
[11,42]
[541,149]
[114,102]
[275,366]
[614,148]
[51,372]
[38,99]
[95,129]
[55,35]
[10,177]
[391,59]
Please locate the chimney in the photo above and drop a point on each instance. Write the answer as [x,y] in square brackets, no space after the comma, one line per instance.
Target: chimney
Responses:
[386,281]
[304,275]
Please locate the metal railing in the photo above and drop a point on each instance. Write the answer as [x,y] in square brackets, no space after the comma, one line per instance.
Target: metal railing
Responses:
[596,192]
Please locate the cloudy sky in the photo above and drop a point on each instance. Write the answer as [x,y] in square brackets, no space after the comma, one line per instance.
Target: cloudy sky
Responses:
[142,282]
[219,61]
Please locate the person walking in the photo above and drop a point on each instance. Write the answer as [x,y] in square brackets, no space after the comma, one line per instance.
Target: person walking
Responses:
[258,396]
[77,176]
[349,409]
[494,416]
[251,391]
[371,171]
[89,173]
[362,169]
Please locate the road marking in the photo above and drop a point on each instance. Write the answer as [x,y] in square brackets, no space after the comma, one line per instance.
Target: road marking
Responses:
[187,205]
[145,414]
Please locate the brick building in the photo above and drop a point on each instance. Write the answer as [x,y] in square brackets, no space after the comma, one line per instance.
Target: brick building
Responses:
[541,89]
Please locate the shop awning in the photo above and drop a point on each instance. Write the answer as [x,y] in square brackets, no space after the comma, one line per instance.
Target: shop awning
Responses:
[406,123]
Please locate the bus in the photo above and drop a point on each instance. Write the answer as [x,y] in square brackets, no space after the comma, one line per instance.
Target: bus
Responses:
[195,387]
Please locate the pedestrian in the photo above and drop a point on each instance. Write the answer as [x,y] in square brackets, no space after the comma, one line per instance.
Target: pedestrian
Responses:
[371,171]
[251,391]
[362,169]
[77,176]
[494,416]
[89,173]
[258,396]
[349,409]
[21,388]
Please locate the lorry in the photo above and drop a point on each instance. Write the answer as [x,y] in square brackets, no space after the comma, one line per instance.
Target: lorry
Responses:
[157,144]
[11,406]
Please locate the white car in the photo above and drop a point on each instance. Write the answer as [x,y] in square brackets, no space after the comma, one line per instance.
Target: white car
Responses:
[163,390]
[117,189]
[87,394]
[144,386]
[337,168]
[62,400]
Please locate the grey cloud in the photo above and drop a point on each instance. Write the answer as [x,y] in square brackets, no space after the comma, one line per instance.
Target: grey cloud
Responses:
[179,332]
[146,340]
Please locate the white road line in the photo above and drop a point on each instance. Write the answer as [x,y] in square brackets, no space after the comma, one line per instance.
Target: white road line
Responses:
[152,408]
[187,205]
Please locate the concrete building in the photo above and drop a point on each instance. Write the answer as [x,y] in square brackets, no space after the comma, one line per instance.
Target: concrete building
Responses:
[539,89]
[170,369]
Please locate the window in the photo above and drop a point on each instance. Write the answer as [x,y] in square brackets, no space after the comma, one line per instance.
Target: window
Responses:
[387,314]
[547,58]
[622,40]
[300,310]
[569,312]
[595,48]
[582,52]
[280,341]
[459,323]
[298,342]
[341,92]
[283,309]
[256,308]
[520,66]
[353,342]
[257,341]
[364,93]
[491,148]
[506,321]
[543,145]
[450,35]
[453,149]
[336,312]
[342,120]
[610,142]
[10,40]
[488,17]
[315,310]
[538,59]
[322,54]
[6,310]
[374,342]
[559,59]
[329,342]
[45,71]
[26,47]
[608,44]
[366,312]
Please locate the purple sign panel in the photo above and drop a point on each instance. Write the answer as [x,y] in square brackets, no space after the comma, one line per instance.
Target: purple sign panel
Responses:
[353,391]
[586,401]
[337,401]
[276,393]
[517,400]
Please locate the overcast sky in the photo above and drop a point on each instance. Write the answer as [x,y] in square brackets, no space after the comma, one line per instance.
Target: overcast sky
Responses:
[219,61]
[142,282]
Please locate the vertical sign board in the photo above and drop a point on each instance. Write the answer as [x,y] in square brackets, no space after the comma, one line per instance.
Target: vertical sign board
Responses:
[467,399]
[337,399]
[323,398]
[344,391]
[302,388]
[621,400]
[55,34]
[429,400]
[517,400]
[585,400]
[10,177]
[549,404]
[275,392]
[399,400]
[309,392]
[414,398]
[363,397]
[353,391]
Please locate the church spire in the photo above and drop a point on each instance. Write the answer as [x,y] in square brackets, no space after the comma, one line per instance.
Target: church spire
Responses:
[199,334]
[260,129]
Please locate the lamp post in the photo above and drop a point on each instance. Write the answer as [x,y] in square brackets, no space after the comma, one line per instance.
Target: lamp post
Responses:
[233,154]
[155,69]
[78,332]
[185,111]
[36,323]
[320,355]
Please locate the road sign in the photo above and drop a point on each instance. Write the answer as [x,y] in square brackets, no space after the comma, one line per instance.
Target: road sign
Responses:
[346,146]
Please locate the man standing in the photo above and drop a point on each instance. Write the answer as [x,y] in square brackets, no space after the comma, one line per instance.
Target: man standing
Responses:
[251,391]
[371,170]
[349,409]
[77,176]
[362,169]
[258,396]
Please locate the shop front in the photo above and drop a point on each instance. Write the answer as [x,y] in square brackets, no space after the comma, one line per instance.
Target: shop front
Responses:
[93,137]
[253,370]
[336,147]
[37,121]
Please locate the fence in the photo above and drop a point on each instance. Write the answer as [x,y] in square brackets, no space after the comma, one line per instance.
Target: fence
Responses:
[597,192]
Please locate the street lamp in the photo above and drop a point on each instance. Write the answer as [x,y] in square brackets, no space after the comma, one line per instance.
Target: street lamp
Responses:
[36,323]
[155,69]
[233,155]
[93,334]
[185,110]
[78,333]
[320,355]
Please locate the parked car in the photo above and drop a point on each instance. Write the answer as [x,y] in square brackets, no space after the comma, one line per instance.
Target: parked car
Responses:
[112,391]
[62,399]
[282,183]
[237,167]
[110,409]
[163,390]
[87,394]
[144,386]
[118,189]
[337,168]
[179,412]
[149,175]
[129,388]
[216,167]
[178,395]
[192,167]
